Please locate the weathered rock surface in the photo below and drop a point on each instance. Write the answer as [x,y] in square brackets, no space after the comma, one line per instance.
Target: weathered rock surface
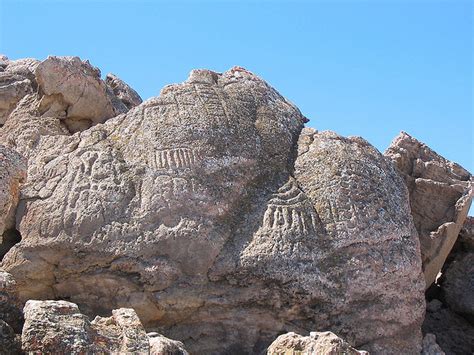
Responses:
[440,196]
[12,174]
[430,347]
[196,209]
[454,334]
[58,327]
[318,343]
[372,249]
[161,345]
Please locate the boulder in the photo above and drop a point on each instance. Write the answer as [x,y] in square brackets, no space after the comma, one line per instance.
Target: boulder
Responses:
[59,327]
[123,91]
[73,91]
[440,196]
[370,250]
[161,345]
[317,343]
[200,210]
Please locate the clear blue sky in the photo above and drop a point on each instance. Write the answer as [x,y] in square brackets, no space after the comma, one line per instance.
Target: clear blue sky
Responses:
[368,68]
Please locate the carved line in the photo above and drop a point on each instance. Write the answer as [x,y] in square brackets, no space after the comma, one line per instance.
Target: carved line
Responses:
[292,218]
[174,158]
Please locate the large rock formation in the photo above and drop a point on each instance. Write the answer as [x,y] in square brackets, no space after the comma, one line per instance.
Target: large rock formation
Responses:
[317,343]
[440,196]
[57,327]
[200,210]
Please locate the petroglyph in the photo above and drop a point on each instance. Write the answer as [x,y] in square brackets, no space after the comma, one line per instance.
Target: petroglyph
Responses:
[174,158]
[212,102]
[290,210]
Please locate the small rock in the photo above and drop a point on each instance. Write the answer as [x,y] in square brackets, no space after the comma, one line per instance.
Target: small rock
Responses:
[318,343]
[59,327]
[160,345]
[430,347]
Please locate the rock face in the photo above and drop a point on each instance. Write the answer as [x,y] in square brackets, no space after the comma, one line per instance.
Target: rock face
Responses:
[12,174]
[200,210]
[372,249]
[318,343]
[59,327]
[440,197]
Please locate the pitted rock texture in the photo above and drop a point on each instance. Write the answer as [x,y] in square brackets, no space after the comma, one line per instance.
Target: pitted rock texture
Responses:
[12,175]
[58,327]
[440,196]
[195,209]
[161,345]
[371,250]
[317,343]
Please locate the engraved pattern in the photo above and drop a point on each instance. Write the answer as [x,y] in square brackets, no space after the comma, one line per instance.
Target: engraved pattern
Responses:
[212,102]
[290,210]
[174,158]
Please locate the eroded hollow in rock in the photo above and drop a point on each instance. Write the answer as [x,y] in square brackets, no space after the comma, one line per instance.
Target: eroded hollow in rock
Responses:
[8,240]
